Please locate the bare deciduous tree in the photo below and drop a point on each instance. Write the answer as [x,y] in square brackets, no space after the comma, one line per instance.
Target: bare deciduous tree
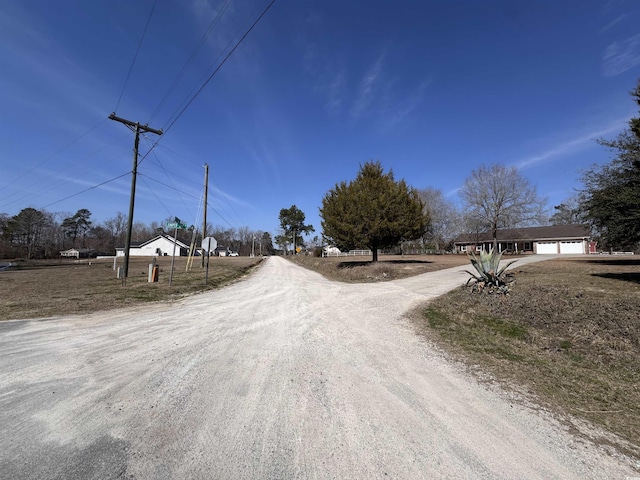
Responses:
[446,220]
[499,197]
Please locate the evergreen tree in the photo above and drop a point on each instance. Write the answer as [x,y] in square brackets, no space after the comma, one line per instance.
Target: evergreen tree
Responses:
[373,211]
[611,197]
[292,227]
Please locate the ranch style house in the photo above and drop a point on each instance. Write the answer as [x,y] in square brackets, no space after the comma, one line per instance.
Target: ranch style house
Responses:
[550,239]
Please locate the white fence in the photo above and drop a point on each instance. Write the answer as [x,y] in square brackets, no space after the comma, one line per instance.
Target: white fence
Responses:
[350,253]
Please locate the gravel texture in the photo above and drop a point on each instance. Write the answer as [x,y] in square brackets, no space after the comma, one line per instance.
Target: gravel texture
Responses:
[282,375]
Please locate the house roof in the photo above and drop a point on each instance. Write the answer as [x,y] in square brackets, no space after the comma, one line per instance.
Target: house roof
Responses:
[547,232]
[167,237]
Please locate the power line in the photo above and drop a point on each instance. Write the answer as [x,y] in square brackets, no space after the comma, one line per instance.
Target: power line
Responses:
[195,52]
[219,67]
[54,154]
[165,130]
[87,189]
[166,185]
[168,176]
[188,195]
[136,55]
[155,195]
[51,185]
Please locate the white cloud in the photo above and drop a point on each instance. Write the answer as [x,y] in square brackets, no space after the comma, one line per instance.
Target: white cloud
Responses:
[335,91]
[621,56]
[613,23]
[571,146]
[408,104]
[367,87]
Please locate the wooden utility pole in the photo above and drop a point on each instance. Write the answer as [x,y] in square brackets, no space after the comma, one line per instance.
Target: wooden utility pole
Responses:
[137,128]
[204,217]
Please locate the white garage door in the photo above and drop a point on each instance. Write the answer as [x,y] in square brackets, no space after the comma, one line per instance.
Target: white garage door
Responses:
[571,247]
[546,247]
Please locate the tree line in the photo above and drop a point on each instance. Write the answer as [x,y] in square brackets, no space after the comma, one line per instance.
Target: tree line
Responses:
[34,234]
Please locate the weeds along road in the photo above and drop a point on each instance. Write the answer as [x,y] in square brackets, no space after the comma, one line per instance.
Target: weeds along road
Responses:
[282,375]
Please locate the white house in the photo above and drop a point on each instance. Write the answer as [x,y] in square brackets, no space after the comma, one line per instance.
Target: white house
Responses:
[160,245]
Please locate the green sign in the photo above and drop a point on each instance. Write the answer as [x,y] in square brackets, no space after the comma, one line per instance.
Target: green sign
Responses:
[181,226]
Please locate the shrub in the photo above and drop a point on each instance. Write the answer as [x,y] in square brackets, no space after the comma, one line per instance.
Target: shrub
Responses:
[489,276]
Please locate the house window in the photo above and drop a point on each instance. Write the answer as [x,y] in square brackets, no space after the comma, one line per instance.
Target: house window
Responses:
[463,248]
[528,246]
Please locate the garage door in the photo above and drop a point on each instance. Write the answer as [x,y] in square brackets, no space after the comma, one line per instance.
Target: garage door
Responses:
[546,247]
[571,247]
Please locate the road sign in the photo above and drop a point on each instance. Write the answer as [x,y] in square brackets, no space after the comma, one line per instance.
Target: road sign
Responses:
[209,244]
[181,226]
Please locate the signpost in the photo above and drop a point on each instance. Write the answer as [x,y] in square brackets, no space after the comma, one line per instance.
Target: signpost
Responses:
[176,225]
[209,244]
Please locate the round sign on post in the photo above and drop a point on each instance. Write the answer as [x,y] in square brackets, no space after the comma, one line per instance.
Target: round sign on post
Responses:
[209,244]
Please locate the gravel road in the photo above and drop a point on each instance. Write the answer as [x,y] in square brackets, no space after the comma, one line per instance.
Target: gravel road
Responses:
[282,375]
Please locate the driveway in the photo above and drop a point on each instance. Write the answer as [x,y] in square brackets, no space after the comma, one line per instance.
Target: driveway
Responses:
[282,375]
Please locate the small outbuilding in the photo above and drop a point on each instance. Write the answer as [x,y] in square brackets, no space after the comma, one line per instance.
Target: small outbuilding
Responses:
[78,253]
[549,239]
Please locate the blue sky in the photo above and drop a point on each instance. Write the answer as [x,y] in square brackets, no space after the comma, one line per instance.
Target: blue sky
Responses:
[432,89]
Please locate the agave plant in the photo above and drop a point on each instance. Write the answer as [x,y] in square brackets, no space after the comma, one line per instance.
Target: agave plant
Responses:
[489,274]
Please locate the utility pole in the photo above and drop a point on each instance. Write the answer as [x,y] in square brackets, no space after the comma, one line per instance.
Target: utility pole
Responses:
[204,217]
[137,128]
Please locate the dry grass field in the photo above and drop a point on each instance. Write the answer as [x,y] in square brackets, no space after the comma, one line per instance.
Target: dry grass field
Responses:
[388,267]
[48,288]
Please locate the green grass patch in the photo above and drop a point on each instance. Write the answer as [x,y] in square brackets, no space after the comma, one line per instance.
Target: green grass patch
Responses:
[505,328]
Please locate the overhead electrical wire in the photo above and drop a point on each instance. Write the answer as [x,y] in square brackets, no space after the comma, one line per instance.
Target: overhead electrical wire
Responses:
[174,118]
[126,81]
[50,185]
[193,55]
[155,195]
[209,78]
[88,189]
[167,175]
[188,195]
[213,74]
[166,185]
[56,153]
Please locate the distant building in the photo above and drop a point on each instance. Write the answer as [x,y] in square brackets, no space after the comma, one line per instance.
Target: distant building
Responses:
[158,246]
[78,253]
[550,239]
[221,251]
[330,251]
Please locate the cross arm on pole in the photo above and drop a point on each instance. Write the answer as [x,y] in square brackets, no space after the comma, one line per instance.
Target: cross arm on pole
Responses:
[143,128]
